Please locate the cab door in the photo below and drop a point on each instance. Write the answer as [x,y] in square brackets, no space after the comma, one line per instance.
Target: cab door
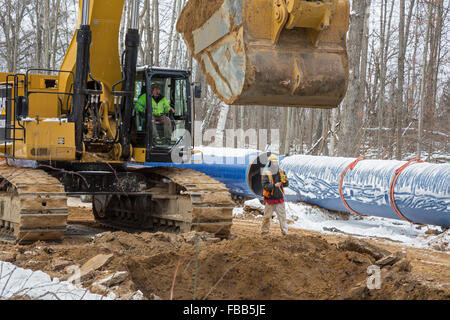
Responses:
[165,145]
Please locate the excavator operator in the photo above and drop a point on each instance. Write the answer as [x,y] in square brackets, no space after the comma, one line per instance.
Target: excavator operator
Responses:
[161,108]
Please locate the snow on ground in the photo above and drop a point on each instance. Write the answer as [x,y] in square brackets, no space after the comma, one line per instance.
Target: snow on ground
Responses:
[310,218]
[15,281]
[255,203]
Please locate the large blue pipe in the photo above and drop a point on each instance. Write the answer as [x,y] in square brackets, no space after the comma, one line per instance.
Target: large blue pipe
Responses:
[238,170]
[421,193]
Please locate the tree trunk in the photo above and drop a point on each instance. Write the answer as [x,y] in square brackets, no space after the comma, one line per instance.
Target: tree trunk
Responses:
[431,89]
[156,28]
[423,82]
[362,107]
[38,57]
[349,144]
[150,46]
[283,131]
[176,44]
[55,34]
[289,131]
[333,140]
[325,129]
[384,49]
[400,79]
[172,27]
[301,131]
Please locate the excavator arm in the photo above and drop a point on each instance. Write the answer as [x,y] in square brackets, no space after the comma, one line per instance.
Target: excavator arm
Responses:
[104,21]
[270,52]
[93,58]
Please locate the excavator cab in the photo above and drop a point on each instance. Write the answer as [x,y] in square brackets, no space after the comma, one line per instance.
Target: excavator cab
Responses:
[159,135]
[270,52]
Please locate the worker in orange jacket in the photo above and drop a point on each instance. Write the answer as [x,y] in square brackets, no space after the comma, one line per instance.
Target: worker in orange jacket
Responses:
[274,181]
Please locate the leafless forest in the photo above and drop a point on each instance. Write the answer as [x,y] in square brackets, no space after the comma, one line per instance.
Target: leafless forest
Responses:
[398,101]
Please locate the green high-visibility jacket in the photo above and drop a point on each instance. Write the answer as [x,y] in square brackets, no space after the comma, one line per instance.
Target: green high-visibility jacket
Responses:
[159,108]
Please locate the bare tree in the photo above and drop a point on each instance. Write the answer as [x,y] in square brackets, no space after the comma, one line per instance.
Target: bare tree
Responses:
[11,22]
[403,41]
[156,34]
[172,29]
[383,52]
[349,144]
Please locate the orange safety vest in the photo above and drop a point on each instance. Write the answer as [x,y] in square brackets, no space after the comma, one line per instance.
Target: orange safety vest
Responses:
[3,162]
[268,194]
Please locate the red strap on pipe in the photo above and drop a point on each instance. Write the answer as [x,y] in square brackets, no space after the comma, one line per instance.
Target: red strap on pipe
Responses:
[351,166]
[392,187]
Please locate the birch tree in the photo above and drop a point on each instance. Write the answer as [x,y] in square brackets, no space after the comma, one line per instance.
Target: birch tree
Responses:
[11,23]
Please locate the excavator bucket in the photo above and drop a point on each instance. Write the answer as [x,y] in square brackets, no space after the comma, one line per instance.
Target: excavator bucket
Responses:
[270,52]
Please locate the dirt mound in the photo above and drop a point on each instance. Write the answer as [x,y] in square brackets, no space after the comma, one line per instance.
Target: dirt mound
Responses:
[292,267]
[249,266]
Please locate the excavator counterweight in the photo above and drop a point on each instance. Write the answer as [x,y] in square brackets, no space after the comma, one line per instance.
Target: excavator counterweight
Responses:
[270,52]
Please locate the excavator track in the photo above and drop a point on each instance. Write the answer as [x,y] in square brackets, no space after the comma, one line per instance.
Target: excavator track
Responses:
[33,206]
[180,200]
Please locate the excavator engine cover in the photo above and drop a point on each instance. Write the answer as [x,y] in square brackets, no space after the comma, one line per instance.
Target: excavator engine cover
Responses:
[270,52]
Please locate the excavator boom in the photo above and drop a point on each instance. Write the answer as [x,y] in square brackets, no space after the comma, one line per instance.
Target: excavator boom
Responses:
[104,20]
[270,52]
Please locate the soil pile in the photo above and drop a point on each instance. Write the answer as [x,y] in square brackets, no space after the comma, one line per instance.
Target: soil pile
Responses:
[292,267]
[165,266]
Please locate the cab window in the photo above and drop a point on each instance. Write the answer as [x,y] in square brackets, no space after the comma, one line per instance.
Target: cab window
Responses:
[174,90]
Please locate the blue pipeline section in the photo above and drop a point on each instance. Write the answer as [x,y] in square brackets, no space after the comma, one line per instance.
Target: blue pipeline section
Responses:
[231,170]
[422,191]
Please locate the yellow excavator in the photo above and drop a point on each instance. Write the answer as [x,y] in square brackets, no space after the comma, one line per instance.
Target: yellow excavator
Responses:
[75,131]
